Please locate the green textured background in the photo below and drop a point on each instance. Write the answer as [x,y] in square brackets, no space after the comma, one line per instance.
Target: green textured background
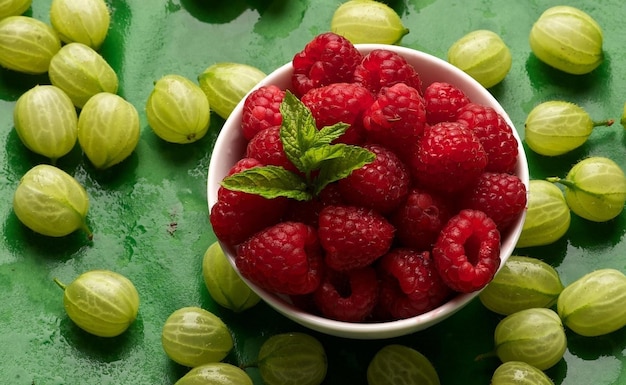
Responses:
[149,214]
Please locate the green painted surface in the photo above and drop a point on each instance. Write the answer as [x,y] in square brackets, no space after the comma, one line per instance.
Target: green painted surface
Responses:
[149,214]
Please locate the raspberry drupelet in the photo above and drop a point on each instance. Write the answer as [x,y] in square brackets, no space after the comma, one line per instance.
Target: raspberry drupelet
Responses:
[261,110]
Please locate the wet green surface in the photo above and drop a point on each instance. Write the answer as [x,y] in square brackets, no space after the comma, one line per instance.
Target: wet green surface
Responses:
[149,214]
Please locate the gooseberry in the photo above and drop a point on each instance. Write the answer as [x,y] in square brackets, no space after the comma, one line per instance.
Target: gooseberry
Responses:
[46,122]
[178,110]
[81,72]
[13,7]
[399,364]
[367,21]
[225,84]
[522,283]
[535,336]
[27,45]
[215,373]
[557,127]
[223,283]
[51,202]
[192,336]
[81,21]
[567,39]
[547,215]
[519,373]
[108,129]
[292,359]
[593,305]
[595,188]
[101,302]
[483,55]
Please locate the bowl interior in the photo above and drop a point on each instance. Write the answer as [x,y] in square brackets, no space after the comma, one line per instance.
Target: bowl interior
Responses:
[230,146]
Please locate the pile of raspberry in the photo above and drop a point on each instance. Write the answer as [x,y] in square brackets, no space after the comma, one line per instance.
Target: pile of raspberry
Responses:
[399,236]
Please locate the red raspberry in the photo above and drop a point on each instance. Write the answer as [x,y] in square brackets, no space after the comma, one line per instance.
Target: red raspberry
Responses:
[501,196]
[467,252]
[285,258]
[381,185]
[420,218]
[398,115]
[382,68]
[353,237]
[442,102]
[261,110]
[328,58]
[410,284]
[236,215]
[348,296]
[267,148]
[448,158]
[308,211]
[340,102]
[494,134]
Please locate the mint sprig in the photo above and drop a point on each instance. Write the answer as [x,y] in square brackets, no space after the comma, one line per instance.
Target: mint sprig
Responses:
[311,150]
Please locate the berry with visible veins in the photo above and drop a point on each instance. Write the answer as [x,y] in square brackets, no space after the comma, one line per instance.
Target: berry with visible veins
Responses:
[501,196]
[448,158]
[267,148]
[340,102]
[467,252]
[261,110]
[409,284]
[328,58]
[381,185]
[382,68]
[353,237]
[348,296]
[285,258]
[443,100]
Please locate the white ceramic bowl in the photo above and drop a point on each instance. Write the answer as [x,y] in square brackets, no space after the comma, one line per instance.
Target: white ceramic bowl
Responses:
[230,146]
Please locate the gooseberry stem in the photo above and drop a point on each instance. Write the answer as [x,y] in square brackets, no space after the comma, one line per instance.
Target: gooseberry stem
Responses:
[485,355]
[87,230]
[564,182]
[607,123]
[59,283]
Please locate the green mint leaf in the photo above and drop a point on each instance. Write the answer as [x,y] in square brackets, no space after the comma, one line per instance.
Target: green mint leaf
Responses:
[332,170]
[316,156]
[329,133]
[269,182]
[298,131]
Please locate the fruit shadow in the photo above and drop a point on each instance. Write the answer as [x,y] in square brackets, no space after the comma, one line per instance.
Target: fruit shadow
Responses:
[222,12]
[592,348]
[553,254]
[13,84]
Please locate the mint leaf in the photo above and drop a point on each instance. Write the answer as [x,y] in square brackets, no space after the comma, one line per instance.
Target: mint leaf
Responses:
[332,170]
[298,130]
[329,133]
[314,157]
[269,182]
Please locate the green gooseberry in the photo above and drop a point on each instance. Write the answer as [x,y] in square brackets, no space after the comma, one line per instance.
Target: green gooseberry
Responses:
[367,21]
[215,373]
[192,336]
[223,283]
[519,373]
[101,302]
[81,72]
[108,129]
[178,110]
[81,21]
[225,85]
[27,45]
[13,7]
[593,305]
[399,364]
[46,122]
[51,202]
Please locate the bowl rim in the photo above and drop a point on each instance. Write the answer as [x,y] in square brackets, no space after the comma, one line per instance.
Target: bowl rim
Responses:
[230,140]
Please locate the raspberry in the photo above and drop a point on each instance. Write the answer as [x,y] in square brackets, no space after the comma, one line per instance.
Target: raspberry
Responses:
[409,284]
[285,258]
[267,148]
[353,237]
[261,110]
[340,102]
[348,296]
[381,185]
[494,134]
[442,102]
[467,252]
[382,68]
[308,211]
[398,115]
[328,58]
[501,196]
[420,218]
[236,215]
[448,158]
